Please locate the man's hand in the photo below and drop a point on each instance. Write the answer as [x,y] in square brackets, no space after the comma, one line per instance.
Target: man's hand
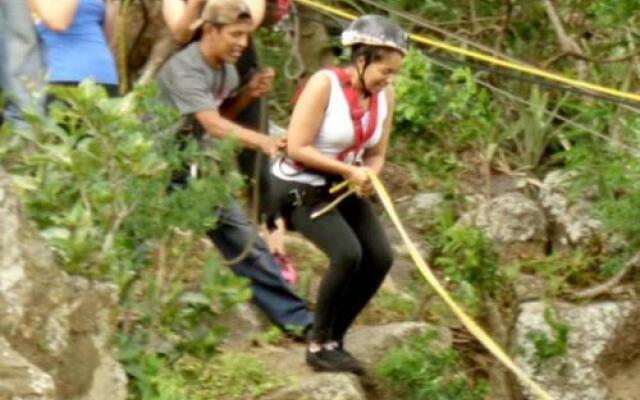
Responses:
[269,146]
[261,82]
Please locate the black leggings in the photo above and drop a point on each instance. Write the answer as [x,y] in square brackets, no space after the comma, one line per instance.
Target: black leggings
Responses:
[353,238]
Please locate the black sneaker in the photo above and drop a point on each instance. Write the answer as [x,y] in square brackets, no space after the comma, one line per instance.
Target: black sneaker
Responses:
[334,361]
[356,365]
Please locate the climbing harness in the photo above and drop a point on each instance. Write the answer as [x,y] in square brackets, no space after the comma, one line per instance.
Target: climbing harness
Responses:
[362,135]
[334,203]
[350,155]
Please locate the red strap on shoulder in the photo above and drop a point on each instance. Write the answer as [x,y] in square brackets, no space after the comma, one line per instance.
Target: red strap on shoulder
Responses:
[362,135]
[298,92]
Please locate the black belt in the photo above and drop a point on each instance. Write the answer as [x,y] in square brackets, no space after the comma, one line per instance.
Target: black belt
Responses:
[308,196]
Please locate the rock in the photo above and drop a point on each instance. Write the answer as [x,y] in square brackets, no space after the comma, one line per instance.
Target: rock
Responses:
[510,218]
[323,386]
[57,329]
[371,343]
[571,223]
[528,287]
[421,211]
[20,378]
[595,334]
[368,343]
[245,322]
[315,44]
[515,223]
[623,384]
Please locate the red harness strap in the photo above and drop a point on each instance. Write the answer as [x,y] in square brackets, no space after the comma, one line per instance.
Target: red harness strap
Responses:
[361,135]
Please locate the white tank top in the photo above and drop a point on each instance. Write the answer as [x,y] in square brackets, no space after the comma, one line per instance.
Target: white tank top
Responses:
[336,134]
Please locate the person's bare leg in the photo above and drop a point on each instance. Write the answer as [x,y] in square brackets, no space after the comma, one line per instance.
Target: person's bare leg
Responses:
[275,238]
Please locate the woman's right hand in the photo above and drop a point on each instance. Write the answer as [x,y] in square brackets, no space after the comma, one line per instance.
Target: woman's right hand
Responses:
[359,178]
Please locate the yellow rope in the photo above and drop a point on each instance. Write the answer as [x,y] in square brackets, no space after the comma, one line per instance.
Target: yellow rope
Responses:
[468,322]
[332,205]
[488,59]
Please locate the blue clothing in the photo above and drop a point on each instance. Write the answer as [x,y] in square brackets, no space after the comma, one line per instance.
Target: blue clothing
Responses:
[81,51]
[270,292]
[20,63]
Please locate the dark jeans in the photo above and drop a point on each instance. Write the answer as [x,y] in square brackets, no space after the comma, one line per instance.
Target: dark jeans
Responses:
[359,253]
[270,292]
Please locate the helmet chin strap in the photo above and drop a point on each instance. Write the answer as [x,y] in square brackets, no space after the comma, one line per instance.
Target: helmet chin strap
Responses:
[365,90]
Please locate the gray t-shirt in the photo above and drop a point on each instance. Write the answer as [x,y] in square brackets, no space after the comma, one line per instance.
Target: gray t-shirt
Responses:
[190,85]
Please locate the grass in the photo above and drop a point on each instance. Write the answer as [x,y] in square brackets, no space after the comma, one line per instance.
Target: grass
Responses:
[225,377]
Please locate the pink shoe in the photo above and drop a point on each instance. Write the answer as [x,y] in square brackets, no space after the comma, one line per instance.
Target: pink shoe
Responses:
[287,269]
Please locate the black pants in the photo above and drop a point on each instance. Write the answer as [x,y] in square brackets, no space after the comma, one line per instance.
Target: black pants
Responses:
[359,253]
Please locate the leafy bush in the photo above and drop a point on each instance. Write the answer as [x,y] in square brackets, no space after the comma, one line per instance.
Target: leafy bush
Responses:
[612,176]
[470,263]
[417,372]
[95,177]
[447,107]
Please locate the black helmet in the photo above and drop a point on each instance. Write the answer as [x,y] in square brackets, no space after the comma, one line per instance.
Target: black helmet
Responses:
[375,30]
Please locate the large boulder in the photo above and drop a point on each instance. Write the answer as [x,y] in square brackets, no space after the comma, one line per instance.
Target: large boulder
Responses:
[323,386]
[368,343]
[423,210]
[56,331]
[514,222]
[599,333]
[571,224]
[20,378]
[371,343]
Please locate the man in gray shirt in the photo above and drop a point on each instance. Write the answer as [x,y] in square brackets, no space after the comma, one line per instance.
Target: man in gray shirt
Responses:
[196,81]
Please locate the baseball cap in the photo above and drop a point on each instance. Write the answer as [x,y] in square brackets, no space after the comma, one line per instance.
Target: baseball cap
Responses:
[222,12]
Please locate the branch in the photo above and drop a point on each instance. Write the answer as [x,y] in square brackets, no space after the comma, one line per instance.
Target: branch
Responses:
[506,20]
[563,54]
[632,47]
[145,24]
[119,218]
[566,42]
[473,16]
[498,375]
[611,283]
[161,50]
